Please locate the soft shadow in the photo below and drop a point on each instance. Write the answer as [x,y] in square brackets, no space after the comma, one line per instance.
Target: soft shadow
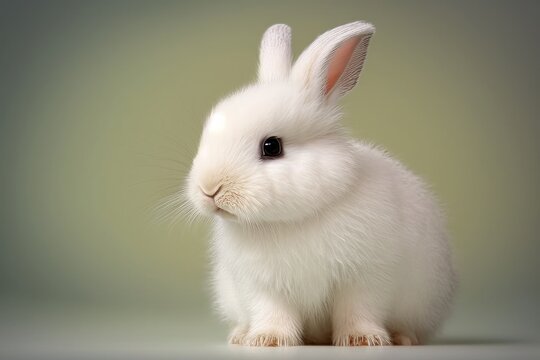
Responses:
[475,341]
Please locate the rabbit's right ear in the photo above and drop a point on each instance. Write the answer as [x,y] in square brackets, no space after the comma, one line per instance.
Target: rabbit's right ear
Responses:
[275,57]
[331,65]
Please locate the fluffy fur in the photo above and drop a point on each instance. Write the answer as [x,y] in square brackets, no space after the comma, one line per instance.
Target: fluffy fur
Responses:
[334,242]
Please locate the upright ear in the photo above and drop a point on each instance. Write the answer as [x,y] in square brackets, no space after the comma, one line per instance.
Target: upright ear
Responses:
[331,65]
[275,56]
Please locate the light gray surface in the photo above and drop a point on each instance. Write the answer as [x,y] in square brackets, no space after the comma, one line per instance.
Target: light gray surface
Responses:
[166,350]
[83,333]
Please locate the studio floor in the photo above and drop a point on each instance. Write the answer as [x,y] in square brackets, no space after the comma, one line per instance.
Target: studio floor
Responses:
[68,333]
[60,350]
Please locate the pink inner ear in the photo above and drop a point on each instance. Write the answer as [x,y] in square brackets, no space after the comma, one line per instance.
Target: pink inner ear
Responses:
[339,62]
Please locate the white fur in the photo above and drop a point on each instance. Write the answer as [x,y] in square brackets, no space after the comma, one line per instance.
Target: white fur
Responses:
[334,242]
[275,58]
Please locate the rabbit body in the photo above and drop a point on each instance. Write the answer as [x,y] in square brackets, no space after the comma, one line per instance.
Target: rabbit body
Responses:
[380,255]
[331,242]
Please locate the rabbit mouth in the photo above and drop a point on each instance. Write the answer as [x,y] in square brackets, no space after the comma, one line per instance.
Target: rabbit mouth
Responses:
[222,212]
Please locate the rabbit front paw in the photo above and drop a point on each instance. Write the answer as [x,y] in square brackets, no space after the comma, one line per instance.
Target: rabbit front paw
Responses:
[362,340]
[362,336]
[237,335]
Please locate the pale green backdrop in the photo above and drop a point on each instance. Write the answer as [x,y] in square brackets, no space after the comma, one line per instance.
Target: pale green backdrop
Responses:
[101,105]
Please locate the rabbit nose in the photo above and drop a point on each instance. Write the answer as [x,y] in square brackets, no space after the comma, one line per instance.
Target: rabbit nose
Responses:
[210,193]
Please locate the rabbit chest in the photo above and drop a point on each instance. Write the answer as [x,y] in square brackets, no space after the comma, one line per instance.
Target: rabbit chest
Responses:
[295,266]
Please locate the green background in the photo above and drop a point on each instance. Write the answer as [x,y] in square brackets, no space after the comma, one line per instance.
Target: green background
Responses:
[102,103]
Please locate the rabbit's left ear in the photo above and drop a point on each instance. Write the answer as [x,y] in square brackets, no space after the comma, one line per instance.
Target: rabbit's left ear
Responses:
[331,65]
[275,56]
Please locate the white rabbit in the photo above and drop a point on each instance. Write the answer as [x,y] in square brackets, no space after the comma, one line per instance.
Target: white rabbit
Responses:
[317,238]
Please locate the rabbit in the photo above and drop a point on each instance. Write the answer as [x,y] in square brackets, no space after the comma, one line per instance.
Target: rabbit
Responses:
[317,238]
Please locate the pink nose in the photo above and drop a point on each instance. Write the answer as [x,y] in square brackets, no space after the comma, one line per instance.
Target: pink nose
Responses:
[210,194]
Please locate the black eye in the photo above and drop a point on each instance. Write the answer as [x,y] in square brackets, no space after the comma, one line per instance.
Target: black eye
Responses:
[271,147]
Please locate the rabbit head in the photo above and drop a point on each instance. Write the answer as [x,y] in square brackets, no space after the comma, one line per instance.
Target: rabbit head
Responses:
[275,151]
